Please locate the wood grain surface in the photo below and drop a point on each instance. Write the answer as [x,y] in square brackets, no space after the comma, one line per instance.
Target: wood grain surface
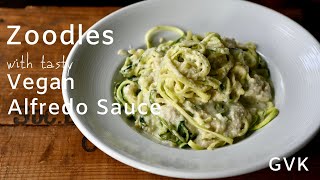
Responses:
[50,146]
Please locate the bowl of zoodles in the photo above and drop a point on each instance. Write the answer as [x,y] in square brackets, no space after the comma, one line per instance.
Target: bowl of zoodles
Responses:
[233,83]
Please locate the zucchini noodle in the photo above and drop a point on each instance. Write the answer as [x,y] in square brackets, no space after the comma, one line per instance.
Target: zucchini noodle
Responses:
[211,90]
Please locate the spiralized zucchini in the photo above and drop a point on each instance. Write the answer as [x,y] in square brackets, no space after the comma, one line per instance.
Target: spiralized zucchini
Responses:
[211,90]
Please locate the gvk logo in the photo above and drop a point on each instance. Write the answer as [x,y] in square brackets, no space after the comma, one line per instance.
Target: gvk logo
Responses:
[300,163]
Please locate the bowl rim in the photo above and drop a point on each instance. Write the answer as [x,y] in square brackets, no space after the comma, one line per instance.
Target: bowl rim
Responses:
[166,172]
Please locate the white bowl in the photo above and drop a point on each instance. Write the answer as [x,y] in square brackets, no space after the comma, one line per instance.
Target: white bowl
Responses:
[293,56]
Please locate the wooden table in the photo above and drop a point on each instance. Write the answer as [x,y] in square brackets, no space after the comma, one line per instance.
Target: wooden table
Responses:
[51,147]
